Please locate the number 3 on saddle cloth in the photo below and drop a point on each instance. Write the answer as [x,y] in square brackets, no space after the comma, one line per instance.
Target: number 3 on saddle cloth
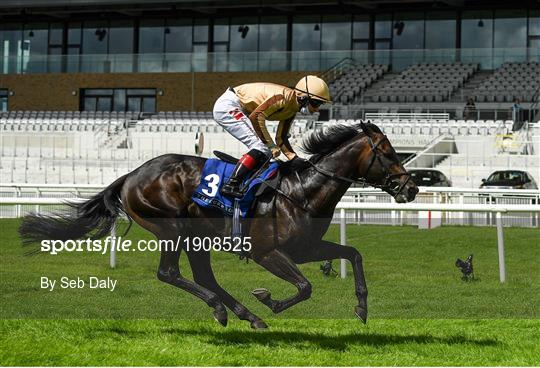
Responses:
[215,174]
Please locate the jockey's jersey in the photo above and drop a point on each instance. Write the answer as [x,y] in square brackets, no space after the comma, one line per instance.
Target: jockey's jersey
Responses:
[269,101]
[275,102]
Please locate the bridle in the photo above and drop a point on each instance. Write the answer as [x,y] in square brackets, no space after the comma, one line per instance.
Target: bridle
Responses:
[389,184]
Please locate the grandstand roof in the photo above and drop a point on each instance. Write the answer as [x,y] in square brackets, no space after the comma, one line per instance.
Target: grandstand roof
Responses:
[60,8]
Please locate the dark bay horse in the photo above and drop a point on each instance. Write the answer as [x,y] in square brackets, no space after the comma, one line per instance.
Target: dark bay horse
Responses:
[286,229]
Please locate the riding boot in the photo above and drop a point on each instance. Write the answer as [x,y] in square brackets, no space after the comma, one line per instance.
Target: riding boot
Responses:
[249,162]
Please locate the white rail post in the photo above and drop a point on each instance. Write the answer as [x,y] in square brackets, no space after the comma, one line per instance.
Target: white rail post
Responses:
[343,239]
[112,260]
[500,244]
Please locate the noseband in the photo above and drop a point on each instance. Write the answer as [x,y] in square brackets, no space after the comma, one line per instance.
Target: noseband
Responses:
[388,179]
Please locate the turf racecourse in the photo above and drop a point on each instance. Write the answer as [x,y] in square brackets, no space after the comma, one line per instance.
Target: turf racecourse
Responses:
[421,313]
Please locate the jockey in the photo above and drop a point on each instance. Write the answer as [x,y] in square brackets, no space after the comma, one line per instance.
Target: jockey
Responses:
[243,111]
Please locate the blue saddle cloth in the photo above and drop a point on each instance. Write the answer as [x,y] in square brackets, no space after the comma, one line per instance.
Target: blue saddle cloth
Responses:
[215,174]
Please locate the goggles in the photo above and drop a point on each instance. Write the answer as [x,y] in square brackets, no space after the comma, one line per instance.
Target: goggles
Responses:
[315,103]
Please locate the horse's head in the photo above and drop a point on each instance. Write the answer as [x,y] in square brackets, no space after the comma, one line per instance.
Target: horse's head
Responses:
[379,165]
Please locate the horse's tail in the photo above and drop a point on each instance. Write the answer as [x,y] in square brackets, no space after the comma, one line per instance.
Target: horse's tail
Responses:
[98,212]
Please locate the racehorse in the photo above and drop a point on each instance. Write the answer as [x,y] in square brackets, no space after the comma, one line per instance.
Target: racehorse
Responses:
[286,229]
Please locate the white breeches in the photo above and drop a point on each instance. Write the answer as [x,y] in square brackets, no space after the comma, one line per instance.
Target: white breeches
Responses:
[229,114]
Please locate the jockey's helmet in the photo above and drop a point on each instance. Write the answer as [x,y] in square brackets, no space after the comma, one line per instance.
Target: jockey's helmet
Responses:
[314,88]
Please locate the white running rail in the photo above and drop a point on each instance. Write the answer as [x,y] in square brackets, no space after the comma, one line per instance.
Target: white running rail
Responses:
[344,206]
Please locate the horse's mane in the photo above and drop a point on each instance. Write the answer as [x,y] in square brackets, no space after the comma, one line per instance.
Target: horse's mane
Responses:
[323,141]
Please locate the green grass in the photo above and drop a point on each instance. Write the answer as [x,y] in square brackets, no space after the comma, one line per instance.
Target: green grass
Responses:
[288,342]
[420,312]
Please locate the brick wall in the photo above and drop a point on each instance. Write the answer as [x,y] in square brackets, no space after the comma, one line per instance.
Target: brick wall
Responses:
[181,91]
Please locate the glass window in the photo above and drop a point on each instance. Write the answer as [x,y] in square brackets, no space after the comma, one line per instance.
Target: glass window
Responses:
[121,37]
[98,92]
[534,22]
[74,33]
[73,59]
[178,35]
[55,60]
[477,29]
[95,45]
[56,34]
[221,45]
[440,30]
[220,57]
[361,27]
[199,61]
[95,38]
[221,30]
[89,104]
[121,44]
[510,29]
[336,32]
[151,37]
[121,99]
[244,35]
[408,31]
[383,26]
[382,55]
[104,104]
[11,53]
[149,104]
[360,45]
[141,92]
[35,47]
[134,104]
[3,100]
[200,30]
[200,57]
[306,33]
[152,42]
[273,34]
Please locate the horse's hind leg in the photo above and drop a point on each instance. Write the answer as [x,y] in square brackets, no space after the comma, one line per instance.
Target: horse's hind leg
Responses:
[203,275]
[327,250]
[169,272]
[283,267]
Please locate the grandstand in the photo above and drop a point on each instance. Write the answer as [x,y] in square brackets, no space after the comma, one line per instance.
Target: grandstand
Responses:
[89,93]
[66,147]
[426,83]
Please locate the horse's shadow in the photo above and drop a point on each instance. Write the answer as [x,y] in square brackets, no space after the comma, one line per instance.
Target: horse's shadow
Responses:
[324,341]
[321,340]
[301,339]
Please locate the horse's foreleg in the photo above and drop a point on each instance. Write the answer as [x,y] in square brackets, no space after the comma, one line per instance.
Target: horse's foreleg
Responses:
[203,275]
[283,267]
[169,272]
[326,250]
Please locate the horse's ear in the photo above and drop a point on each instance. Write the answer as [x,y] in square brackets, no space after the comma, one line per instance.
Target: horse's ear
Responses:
[364,127]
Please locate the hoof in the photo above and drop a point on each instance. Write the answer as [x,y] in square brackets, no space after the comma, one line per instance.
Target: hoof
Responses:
[361,313]
[259,325]
[221,316]
[262,294]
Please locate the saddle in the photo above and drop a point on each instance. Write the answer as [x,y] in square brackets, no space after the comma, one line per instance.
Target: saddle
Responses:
[217,171]
[266,186]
